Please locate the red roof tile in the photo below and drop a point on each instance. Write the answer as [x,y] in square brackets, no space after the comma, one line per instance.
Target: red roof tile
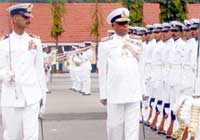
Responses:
[78,19]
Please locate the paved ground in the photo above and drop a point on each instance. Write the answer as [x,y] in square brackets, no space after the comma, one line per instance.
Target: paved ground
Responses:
[71,116]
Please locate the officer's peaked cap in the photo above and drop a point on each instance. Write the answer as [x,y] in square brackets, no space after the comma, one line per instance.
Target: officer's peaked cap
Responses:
[23,9]
[118,15]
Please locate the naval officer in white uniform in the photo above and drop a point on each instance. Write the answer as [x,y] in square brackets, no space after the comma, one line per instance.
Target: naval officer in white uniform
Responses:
[119,78]
[22,72]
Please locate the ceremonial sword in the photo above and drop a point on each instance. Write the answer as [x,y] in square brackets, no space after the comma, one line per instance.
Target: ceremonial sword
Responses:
[144,136]
[41,126]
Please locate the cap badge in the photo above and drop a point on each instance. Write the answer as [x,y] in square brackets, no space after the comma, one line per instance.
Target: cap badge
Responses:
[29,8]
[123,14]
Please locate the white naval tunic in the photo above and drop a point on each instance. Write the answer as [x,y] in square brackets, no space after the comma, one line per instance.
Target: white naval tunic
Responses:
[28,66]
[194,65]
[188,69]
[148,73]
[175,75]
[21,101]
[157,75]
[168,46]
[118,72]
[119,81]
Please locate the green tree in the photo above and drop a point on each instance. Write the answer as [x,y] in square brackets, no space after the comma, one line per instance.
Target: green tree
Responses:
[136,10]
[58,12]
[97,22]
[173,10]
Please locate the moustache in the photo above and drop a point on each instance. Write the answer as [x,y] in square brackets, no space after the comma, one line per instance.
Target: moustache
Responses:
[28,22]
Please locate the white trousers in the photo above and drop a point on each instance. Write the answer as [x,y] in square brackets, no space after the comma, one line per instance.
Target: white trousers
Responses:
[77,81]
[72,77]
[86,81]
[48,75]
[123,121]
[20,123]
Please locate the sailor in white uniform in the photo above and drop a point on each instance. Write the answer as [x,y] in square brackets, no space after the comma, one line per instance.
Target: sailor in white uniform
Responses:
[119,78]
[148,68]
[86,69]
[175,73]
[23,93]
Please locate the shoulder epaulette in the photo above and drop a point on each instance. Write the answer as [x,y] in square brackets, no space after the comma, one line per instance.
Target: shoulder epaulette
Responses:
[134,37]
[34,36]
[4,37]
[106,38]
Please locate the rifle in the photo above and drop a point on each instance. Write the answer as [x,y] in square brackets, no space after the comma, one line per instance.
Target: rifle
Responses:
[171,126]
[144,136]
[165,116]
[197,59]
[150,112]
[153,124]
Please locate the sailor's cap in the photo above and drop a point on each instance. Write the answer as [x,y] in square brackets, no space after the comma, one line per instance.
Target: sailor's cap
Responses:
[132,29]
[141,30]
[157,27]
[188,24]
[166,26]
[149,28]
[24,9]
[176,25]
[195,22]
[118,15]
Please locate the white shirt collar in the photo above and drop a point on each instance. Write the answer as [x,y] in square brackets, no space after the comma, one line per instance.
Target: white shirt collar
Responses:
[14,34]
[120,37]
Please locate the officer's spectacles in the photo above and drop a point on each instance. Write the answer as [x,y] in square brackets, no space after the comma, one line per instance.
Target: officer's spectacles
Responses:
[174,30]
[25,17]
[122,23]
[193,29]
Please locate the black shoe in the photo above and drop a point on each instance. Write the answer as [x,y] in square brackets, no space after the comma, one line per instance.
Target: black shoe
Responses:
[81,92]
[71,89]
[84,94]
[76,90]
[147,124]
[153,128]
[168,137]
[161,132]
[48,92]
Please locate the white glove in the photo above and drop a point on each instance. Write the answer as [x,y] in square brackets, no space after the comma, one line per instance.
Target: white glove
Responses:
[9,77]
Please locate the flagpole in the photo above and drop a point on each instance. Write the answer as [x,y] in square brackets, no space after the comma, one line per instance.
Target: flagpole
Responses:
[198,48]
[197,59]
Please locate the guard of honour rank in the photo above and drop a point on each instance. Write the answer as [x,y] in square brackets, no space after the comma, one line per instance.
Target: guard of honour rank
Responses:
[169,69]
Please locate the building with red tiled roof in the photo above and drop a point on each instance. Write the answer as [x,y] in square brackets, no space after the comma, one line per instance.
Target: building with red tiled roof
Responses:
[78,19]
